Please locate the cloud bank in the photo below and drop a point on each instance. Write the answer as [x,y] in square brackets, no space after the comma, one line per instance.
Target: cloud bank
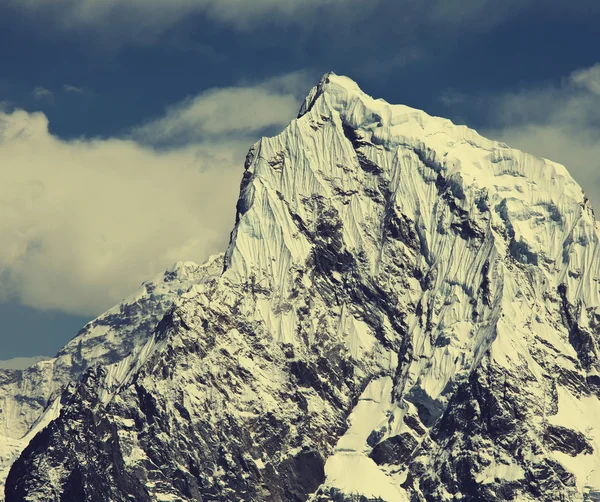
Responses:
[84,222]
[156,16]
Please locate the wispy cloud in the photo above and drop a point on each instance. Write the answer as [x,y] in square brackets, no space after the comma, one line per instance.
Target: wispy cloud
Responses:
[85,221]
[73,89]
[588,78]
[42,94]
[242,110]
[559,121]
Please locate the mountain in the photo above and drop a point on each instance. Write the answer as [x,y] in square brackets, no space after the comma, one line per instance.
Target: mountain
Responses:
[30,398]
[407,312]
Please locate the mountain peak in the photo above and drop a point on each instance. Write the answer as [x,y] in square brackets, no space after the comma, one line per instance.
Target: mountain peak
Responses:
[346,144]
[407,311]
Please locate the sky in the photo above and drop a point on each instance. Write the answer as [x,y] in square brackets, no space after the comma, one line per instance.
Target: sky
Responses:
[124,123]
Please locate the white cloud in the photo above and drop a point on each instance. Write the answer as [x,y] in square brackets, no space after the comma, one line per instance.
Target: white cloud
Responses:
[85,221]
[559,121]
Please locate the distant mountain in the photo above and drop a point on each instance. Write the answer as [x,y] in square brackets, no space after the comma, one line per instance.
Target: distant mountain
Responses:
[30,397]
[407,312]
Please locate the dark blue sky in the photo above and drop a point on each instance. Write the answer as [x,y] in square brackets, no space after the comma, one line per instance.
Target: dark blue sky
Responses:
[133,80]
[101,78]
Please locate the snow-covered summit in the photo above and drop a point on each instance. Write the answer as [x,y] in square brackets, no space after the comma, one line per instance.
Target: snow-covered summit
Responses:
[535,200]
[408,311]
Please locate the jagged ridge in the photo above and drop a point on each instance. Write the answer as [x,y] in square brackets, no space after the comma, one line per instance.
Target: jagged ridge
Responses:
[31,397]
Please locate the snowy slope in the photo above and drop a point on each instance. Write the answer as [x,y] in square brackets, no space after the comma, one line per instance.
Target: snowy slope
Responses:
[30,398]
[408,311]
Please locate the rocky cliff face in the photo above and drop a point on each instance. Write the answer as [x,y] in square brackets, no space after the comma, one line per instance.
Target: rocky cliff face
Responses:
[407,311]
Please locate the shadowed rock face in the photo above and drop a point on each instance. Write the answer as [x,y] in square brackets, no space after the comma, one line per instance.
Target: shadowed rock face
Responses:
[407,311]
